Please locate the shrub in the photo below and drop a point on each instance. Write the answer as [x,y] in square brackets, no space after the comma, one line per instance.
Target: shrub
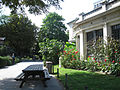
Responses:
[107,55]
[16,60]
[103,57]
[4,51]
[50,50]
[71,56]
[3,61]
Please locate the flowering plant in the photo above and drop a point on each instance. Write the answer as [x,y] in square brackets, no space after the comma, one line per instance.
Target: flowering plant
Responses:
[71,56]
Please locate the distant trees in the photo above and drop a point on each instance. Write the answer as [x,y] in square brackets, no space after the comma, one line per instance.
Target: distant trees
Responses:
[34,6]
[20,33]
[52,37]
[53,28]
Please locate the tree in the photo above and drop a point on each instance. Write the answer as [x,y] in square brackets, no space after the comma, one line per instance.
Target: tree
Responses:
[19,33]
[34,6]
[50,50]
[3,18]
[53,28]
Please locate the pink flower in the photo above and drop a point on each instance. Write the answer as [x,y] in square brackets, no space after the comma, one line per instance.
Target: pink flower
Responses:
[115,51]
[76,52]
[113,61]
[105,60]
[64,51]
[74,59]
[89,56]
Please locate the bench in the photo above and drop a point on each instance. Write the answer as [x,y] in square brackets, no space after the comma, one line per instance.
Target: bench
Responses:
[33,72]
[20,77]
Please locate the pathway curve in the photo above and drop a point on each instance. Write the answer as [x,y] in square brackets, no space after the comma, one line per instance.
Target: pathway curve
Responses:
[8,74]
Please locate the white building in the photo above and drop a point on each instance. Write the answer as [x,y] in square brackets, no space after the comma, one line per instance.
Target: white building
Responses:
[103,20]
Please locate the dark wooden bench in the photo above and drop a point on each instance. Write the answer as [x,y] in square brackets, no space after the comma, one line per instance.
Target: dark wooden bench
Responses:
[34,72]
[20,77]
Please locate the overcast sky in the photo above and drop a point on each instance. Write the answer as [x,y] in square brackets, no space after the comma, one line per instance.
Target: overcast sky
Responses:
[70,10]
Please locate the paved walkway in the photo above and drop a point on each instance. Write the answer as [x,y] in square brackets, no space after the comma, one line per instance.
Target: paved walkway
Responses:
[8,74]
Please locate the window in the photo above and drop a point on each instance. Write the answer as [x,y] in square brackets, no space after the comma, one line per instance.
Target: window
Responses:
[94,35]
[116,32]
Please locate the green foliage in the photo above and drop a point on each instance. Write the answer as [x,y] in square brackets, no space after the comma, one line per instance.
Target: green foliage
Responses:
[71,57]
[100,49]
[50,50]
[7,61]
[4,61]
[20,34]
[53,28]
[103,57]
[4,51]
[106,55]
[33,6]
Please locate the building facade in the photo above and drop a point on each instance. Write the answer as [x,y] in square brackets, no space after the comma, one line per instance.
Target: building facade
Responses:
[102,21]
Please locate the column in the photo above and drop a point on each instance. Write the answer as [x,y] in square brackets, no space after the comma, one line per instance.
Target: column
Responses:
[78,42]
[81,45]
[106,31]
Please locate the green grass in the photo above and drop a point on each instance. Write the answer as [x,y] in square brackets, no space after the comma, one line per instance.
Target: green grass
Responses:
[77,80]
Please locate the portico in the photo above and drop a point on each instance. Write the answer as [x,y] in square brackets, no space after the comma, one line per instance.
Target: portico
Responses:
[103,24]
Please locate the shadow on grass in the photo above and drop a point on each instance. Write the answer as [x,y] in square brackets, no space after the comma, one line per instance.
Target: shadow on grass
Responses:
[78,80]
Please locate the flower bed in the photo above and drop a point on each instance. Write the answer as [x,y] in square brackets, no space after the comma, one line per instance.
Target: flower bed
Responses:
[104,57]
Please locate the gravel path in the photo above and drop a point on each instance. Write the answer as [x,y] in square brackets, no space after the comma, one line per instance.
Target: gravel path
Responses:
[8,74]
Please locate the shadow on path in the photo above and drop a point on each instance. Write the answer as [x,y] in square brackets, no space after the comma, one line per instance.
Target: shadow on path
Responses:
[8,74]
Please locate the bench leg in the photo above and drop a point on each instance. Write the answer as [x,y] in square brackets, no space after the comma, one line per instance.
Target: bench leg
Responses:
[22,84]
[43,81]
[23,81]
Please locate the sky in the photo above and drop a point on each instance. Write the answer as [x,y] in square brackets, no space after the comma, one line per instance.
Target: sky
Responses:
[70,10]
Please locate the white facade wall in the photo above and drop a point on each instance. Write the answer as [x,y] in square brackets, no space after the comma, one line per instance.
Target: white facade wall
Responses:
[103,20]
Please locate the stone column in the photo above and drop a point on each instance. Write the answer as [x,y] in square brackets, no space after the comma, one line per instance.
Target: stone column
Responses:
[78,42]
[85,45]
[81,45]
[106,31]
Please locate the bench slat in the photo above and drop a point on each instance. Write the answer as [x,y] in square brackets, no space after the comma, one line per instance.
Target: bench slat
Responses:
[20,77]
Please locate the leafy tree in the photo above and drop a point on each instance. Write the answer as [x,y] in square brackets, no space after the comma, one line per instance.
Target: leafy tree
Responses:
[53,28]
[50,50]
[19,33]
[34,6]
[3,18]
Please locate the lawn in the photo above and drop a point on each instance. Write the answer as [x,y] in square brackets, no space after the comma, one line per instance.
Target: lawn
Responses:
[78,80]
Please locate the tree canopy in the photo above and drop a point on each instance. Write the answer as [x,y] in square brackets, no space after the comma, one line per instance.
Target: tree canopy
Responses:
[20,33]
[34,6]
[53,28]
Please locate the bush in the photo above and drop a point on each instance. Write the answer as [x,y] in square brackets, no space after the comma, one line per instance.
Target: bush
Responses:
[71,56]
[103,57]
[7,61]
[17,60]
[4,51]
[50,50]
[106,55]
[3,61]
